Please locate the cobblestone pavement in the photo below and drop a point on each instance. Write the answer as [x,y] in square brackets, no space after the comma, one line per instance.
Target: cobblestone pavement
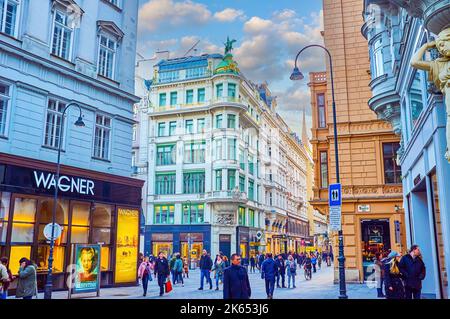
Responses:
[320,287]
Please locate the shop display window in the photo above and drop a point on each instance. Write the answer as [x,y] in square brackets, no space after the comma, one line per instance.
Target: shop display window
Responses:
[80,214]
[101,215]
[58,258]
[104,264]
[17,253]
[165,248]
[101,235]
[59,241]
[80,235]
[61,217]
[4,215]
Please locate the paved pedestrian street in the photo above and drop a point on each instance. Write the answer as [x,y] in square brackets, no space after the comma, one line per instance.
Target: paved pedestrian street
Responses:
[320,287]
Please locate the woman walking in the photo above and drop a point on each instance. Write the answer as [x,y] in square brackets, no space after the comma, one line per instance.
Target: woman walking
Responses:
[393,277]
[179,270]
[218,267]
[185,268]
[27,283]
[379,273]
[145,273]
[5,277]
[291,268]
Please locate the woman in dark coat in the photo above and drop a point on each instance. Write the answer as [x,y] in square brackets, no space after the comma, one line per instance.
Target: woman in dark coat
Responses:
[393,277]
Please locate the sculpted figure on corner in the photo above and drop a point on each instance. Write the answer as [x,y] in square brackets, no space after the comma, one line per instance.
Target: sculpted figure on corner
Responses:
[439,70]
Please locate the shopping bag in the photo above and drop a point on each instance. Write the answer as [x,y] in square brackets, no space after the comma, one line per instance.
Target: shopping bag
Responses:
[168,286]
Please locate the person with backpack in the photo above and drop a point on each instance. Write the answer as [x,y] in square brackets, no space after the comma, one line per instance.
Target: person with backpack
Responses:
[393,277]
[313,261]
[27,281]
[178,268]
[145,273]
[291,268]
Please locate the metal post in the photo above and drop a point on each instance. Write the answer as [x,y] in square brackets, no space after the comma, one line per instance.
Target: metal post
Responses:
[49,283]
[341,259]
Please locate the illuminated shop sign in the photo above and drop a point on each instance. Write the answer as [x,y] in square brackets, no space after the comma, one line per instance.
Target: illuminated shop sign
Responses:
[65,184]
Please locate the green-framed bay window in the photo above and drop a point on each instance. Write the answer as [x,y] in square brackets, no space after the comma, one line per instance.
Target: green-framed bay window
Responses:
[194,152]
[231,179]
[232,149]
[219,90]
[189,96]
[241,216]
[219,118]
[242,183]
[164,214]
[173,98]
[162,99]
[231,90]
[193,213]
[161,129]
[201,95]
[251,165]
[241,159]
[231,121]
[251,217]
[194,182]
[165,183]
[172,128]
[218,175]
[166,154]
[251,189]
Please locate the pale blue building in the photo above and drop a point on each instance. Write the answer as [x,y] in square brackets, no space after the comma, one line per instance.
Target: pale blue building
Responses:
[403,96]
[54,53]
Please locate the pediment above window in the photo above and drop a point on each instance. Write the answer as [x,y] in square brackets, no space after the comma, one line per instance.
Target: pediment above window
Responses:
[71,5]
[111,28]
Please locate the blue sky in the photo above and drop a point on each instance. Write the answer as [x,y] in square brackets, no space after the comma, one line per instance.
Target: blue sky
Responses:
[269,33]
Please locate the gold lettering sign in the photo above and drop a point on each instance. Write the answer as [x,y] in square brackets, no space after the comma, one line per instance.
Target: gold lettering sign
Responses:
[127,245]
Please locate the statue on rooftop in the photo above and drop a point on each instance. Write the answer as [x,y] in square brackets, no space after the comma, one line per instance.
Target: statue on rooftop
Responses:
[229,45]
[439,71]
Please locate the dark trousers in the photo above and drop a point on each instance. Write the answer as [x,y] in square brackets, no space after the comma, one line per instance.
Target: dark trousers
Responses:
[145,283]
[161,282]
[179,277]
[252,268]
[412,293]
[270,286]
[174,277]
[314,267]
[283,278]
[205,274]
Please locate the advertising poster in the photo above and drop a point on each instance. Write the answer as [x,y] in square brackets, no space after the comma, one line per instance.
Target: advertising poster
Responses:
[87,268]
[127,245]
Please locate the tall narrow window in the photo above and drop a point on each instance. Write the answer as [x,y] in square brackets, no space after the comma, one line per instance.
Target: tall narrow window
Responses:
[219,118]
[107,57]
[232,90]
[231,179]
[102,137]
[172,128]
[134,132]
[9,10]
[416,97]
[242,183]
[392,172]
[189,96]
[241,216]
[54,126]
[232,149]
[321,110]
[162,99]
[173,98]
[218,149]
[201,95]
[4,106]
[62,36]
[251,218]
[201,126]
[219,90]
[378,65]
[189,126]
[218,180]
[251,189]
[324,169]
[161,129]
[231,121]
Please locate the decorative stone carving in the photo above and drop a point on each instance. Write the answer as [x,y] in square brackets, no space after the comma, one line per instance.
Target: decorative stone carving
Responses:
[225,219]
[439,70]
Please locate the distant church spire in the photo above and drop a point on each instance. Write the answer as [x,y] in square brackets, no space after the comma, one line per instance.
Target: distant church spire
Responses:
[305,138]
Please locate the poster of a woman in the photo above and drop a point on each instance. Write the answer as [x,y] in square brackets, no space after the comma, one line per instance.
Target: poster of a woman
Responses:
[87,267]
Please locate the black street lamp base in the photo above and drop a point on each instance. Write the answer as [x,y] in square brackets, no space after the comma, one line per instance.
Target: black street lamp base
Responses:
[48,291]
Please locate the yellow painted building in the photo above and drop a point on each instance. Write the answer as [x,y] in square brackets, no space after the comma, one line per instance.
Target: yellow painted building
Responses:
[372,208]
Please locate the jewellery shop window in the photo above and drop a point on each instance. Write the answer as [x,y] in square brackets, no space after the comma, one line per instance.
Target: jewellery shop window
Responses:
[62,219]
[101,231]
[22,234]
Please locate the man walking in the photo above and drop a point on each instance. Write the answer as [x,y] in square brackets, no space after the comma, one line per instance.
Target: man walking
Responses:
[281,271]
[162,271]
[236,284]
[269,270]
[413,270]
[205,269]
[260,261]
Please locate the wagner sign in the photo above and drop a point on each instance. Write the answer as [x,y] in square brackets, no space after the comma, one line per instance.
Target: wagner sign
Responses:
[65,184]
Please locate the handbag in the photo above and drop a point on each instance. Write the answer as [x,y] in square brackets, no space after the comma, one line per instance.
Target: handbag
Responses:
[168,286]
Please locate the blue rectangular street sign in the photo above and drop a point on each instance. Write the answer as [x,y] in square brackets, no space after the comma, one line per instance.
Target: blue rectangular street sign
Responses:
[335,195]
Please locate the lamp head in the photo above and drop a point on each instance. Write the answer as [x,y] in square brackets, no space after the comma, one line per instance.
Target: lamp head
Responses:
[296,75]
[80,122]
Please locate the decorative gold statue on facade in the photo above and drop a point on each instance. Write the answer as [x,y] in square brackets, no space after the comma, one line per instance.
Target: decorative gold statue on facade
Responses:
[439,71]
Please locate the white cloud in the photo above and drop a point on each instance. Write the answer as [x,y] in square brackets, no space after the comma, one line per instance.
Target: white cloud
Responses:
[163,14]
[229,15]
[257,25]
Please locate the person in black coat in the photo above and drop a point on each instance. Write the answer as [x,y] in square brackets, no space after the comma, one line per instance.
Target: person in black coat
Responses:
[236,284]
[393,277]
[252,264]
[206,264]
[281,271]
[260,261]
[413,270]
[162,271]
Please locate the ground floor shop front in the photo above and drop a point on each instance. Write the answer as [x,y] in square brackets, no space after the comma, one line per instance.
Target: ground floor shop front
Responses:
[92,208]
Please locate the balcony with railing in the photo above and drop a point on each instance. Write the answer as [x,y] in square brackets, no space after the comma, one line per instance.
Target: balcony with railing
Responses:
[226,196]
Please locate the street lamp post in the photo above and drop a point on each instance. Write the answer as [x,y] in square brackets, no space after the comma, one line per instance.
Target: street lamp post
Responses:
[189,238]
[297,75]
[49,284]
